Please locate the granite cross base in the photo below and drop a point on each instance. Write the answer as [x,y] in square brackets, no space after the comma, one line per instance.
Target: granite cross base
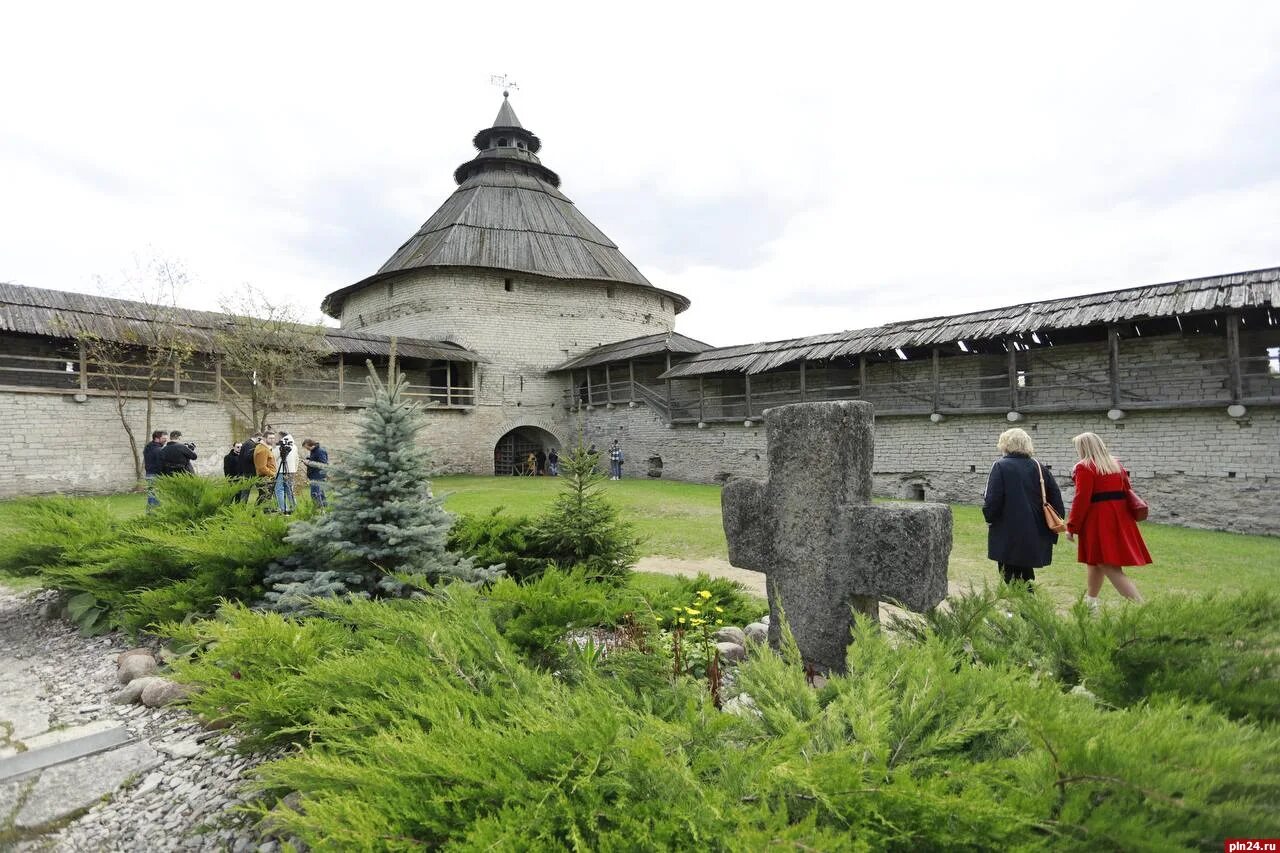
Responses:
[824,548]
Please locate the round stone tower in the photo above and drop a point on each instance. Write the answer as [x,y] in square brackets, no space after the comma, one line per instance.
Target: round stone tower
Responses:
[509,268]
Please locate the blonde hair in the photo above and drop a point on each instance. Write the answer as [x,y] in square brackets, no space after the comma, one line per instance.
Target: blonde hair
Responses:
[1093,450]
[1015,441]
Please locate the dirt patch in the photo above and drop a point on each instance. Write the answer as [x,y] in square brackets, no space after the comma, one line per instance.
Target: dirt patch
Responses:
[717,568]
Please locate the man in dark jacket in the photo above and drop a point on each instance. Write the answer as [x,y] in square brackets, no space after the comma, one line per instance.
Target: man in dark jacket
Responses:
[1018,539]
[246,468]
[151,465]
[317,461]
[177,455]
[231,462]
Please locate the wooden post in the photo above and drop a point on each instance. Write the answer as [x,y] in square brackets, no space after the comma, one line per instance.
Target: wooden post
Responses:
[217,379]
[747,377]
[802,388]
[341,363]
[1233,356]
[702,402]
[631,377]
[589,400]
[573,393]
[862,376]
[177,379]
[448,383]
[1013,376]
[937,380]
[84,368]
[608,386]
[670,412]
[1113,364]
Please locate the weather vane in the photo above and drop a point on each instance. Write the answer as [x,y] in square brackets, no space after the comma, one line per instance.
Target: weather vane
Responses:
[504,82]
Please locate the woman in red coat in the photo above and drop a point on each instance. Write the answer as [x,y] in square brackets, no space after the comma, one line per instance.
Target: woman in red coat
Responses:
[1101,520]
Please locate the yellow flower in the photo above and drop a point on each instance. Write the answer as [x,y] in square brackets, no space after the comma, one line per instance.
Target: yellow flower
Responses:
[705,593]
[719,609]
[691,611]
[681,620]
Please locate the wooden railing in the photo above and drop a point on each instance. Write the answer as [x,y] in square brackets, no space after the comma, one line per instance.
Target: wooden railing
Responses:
[81,377]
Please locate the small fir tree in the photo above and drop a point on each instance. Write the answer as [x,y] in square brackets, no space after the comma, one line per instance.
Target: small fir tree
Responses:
[582,527]
[384,524]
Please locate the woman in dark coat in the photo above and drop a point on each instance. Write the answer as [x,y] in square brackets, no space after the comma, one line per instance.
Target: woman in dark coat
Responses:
[1018,539]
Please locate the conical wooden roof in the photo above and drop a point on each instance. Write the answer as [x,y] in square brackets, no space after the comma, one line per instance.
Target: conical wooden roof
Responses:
[509,214]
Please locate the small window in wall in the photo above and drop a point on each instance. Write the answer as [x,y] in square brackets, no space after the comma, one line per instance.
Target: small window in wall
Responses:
[391,289]
[502,142]
[508,285]
[1022,379]
[610,291]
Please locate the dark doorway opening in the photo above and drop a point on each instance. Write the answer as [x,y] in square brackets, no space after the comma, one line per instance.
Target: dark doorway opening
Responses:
[511,453]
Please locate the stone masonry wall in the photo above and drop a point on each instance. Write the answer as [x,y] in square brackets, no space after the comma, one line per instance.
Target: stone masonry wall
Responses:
[1196,467]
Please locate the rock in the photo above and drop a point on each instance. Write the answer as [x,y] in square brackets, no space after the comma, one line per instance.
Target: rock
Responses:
[731,652]
[132,692]
[135,666]
[216,724]
[1083,692]
[757,632]
[742,705]
[149,784]
[163,692]
[67,788]
[120,658]
[187,748]
[765,619]
[51,610]
[729,634]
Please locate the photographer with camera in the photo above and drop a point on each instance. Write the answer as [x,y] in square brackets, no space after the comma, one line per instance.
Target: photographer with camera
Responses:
[264,466]
[177,455]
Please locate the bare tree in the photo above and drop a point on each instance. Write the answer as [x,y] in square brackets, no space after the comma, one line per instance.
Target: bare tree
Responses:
[272,350]
[133,357]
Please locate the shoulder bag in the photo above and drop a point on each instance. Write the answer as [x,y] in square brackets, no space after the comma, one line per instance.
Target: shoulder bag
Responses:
[1051,517]
[1138,508]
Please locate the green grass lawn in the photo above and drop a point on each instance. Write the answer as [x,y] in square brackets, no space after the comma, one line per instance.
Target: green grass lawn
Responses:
[683,520]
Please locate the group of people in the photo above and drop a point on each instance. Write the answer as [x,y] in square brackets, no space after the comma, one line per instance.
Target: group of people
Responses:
[269,457]
[540,463]
[1020,491]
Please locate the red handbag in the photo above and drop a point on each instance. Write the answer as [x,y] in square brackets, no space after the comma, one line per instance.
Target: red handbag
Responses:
[1138,508]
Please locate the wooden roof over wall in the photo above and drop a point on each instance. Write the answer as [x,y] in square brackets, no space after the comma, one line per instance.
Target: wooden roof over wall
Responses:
[1258,288]
[635,348]
[61,314]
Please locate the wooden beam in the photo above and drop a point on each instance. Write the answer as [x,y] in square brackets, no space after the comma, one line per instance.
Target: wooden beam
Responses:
[802,387]
[217,379]
[1233,356]
[862,376]
[702,402]
[177,378]
[631,377]
[448,383]
[1113,364]
[608,386]
[84,368]
[341,364]
[669,409]
[573,393]
[937,380]
[589,400]
[747,377]
[1013,376]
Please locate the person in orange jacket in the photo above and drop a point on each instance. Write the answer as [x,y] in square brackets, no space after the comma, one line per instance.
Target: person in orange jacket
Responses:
[264,465]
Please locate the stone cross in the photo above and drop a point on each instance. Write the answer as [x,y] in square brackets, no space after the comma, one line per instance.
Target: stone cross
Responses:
[825,549]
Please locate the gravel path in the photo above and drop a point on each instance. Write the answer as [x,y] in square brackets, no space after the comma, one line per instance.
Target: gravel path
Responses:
[185,799]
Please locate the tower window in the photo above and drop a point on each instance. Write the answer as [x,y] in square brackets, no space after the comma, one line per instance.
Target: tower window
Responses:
[520,145]
[508,285]
[610,291]
[391,289]
[502,142]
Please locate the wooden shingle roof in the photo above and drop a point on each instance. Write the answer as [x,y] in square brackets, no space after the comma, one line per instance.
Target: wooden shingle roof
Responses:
[1258,288]
[63,314]
[509,214]
[635,348]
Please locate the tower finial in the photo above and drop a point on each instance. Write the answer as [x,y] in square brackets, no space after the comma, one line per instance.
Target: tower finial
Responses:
[504,82]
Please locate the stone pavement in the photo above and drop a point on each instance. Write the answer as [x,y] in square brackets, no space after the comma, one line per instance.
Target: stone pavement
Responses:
[119,777]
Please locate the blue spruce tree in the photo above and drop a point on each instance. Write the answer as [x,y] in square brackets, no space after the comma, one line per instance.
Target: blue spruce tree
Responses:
[384,524]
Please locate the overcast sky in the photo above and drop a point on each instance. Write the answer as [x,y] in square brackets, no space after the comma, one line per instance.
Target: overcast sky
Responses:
[790,170]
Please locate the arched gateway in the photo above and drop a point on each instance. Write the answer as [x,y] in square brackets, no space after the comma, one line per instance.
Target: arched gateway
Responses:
[511,451]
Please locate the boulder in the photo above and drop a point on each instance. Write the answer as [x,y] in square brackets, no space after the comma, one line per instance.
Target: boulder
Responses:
[163,692]
[731,652]
[742,705]
[132,692]
[757,632]
[730,634]
[135,666]
[120,658]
